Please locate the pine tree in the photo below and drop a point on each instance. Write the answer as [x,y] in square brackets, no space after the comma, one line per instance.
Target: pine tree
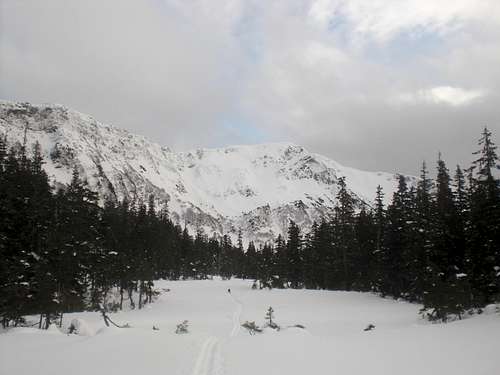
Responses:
[78,235]
[379,252]
[226,270]
[363,259]
[418,241]
[281,264]
[251,266]
[461,201]
[270,317]
[294,255]
[266,266]
[344,235]
[310,260]
[394,277]
[447,291]
[484,229]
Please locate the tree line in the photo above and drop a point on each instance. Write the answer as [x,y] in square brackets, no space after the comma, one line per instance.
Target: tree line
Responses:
[436,243]
[61,251]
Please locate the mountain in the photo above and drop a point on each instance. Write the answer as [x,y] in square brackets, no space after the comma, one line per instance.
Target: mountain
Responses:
[256,188]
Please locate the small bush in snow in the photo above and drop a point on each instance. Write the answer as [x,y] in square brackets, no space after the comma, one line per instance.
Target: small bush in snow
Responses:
[251,327]
[80,327]
[182,327]
[270,317]
[369,327]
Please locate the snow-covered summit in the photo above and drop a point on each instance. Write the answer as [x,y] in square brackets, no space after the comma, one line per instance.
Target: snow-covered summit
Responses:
[257,188]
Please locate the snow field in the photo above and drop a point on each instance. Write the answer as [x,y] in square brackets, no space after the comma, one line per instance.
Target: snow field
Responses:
[333,341]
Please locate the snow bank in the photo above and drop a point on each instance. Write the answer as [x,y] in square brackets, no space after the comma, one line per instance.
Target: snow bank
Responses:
[333,341]
[81,327]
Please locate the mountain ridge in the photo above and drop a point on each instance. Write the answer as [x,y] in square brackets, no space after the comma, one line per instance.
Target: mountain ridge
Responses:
[255,188]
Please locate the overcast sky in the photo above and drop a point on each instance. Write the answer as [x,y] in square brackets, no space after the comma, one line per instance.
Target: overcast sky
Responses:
[373,84]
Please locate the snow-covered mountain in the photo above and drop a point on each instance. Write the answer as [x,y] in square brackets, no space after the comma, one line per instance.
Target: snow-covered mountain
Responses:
[256,188]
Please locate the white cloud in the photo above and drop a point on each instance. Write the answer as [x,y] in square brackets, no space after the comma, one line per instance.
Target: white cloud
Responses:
[317,72]
[454,96]
[383,19]
[447,95]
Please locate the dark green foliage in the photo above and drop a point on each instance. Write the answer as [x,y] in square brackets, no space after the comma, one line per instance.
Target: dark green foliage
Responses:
[61,251]
[483,232]
[294,256]
[252,327]
[437,243]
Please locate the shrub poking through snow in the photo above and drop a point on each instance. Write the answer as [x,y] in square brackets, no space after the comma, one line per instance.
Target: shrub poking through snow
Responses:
[269,318]
[182,327]
[251,327]
[369,327]
[80,327]
[270,315]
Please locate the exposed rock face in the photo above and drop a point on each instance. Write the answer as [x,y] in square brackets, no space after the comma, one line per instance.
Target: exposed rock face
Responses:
[257,188]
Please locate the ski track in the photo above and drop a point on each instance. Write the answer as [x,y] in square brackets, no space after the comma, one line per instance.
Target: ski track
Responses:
[236,317]
[209,361]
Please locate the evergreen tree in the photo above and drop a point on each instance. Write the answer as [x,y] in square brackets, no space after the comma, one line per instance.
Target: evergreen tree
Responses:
[344,235]
[294,255]
[447,291]
[266,266]
[363,259]
[251,262]
[281,263]
[484,230]
[226,267]
[393,277]
[380,255]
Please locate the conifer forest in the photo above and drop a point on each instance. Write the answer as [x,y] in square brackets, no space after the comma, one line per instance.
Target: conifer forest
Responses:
[64,249]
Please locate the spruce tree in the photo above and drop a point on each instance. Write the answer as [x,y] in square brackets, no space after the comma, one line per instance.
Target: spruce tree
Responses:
[344,235]
[379,251]
[281,263]
[363,260]
[294,255]
[447,291]
[394,277]
[484,230]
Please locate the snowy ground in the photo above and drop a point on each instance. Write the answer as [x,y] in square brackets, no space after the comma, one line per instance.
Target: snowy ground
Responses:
[332,343]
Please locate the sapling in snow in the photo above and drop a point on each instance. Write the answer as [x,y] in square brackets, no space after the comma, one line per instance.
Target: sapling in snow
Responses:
[182,327]
[251,327]
[270,317]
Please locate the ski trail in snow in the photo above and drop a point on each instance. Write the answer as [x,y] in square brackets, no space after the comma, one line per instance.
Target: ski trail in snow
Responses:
[236,317]
[216,358]
[209,361]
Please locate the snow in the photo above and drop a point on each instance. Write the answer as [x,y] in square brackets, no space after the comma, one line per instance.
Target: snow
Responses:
[252,187]
[333,341]
[82,328]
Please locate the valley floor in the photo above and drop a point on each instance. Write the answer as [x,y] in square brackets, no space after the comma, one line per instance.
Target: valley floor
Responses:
[333,341]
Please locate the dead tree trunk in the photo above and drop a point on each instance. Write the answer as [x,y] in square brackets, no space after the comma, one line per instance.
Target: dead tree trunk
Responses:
[121,297]
[132,303]
[141,288]
[108,320]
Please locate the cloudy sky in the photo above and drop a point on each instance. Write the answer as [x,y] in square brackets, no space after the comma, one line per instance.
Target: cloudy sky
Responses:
[374,84]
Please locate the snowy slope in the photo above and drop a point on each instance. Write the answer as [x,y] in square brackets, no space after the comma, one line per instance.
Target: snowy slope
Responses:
[333,341]
[256,188]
